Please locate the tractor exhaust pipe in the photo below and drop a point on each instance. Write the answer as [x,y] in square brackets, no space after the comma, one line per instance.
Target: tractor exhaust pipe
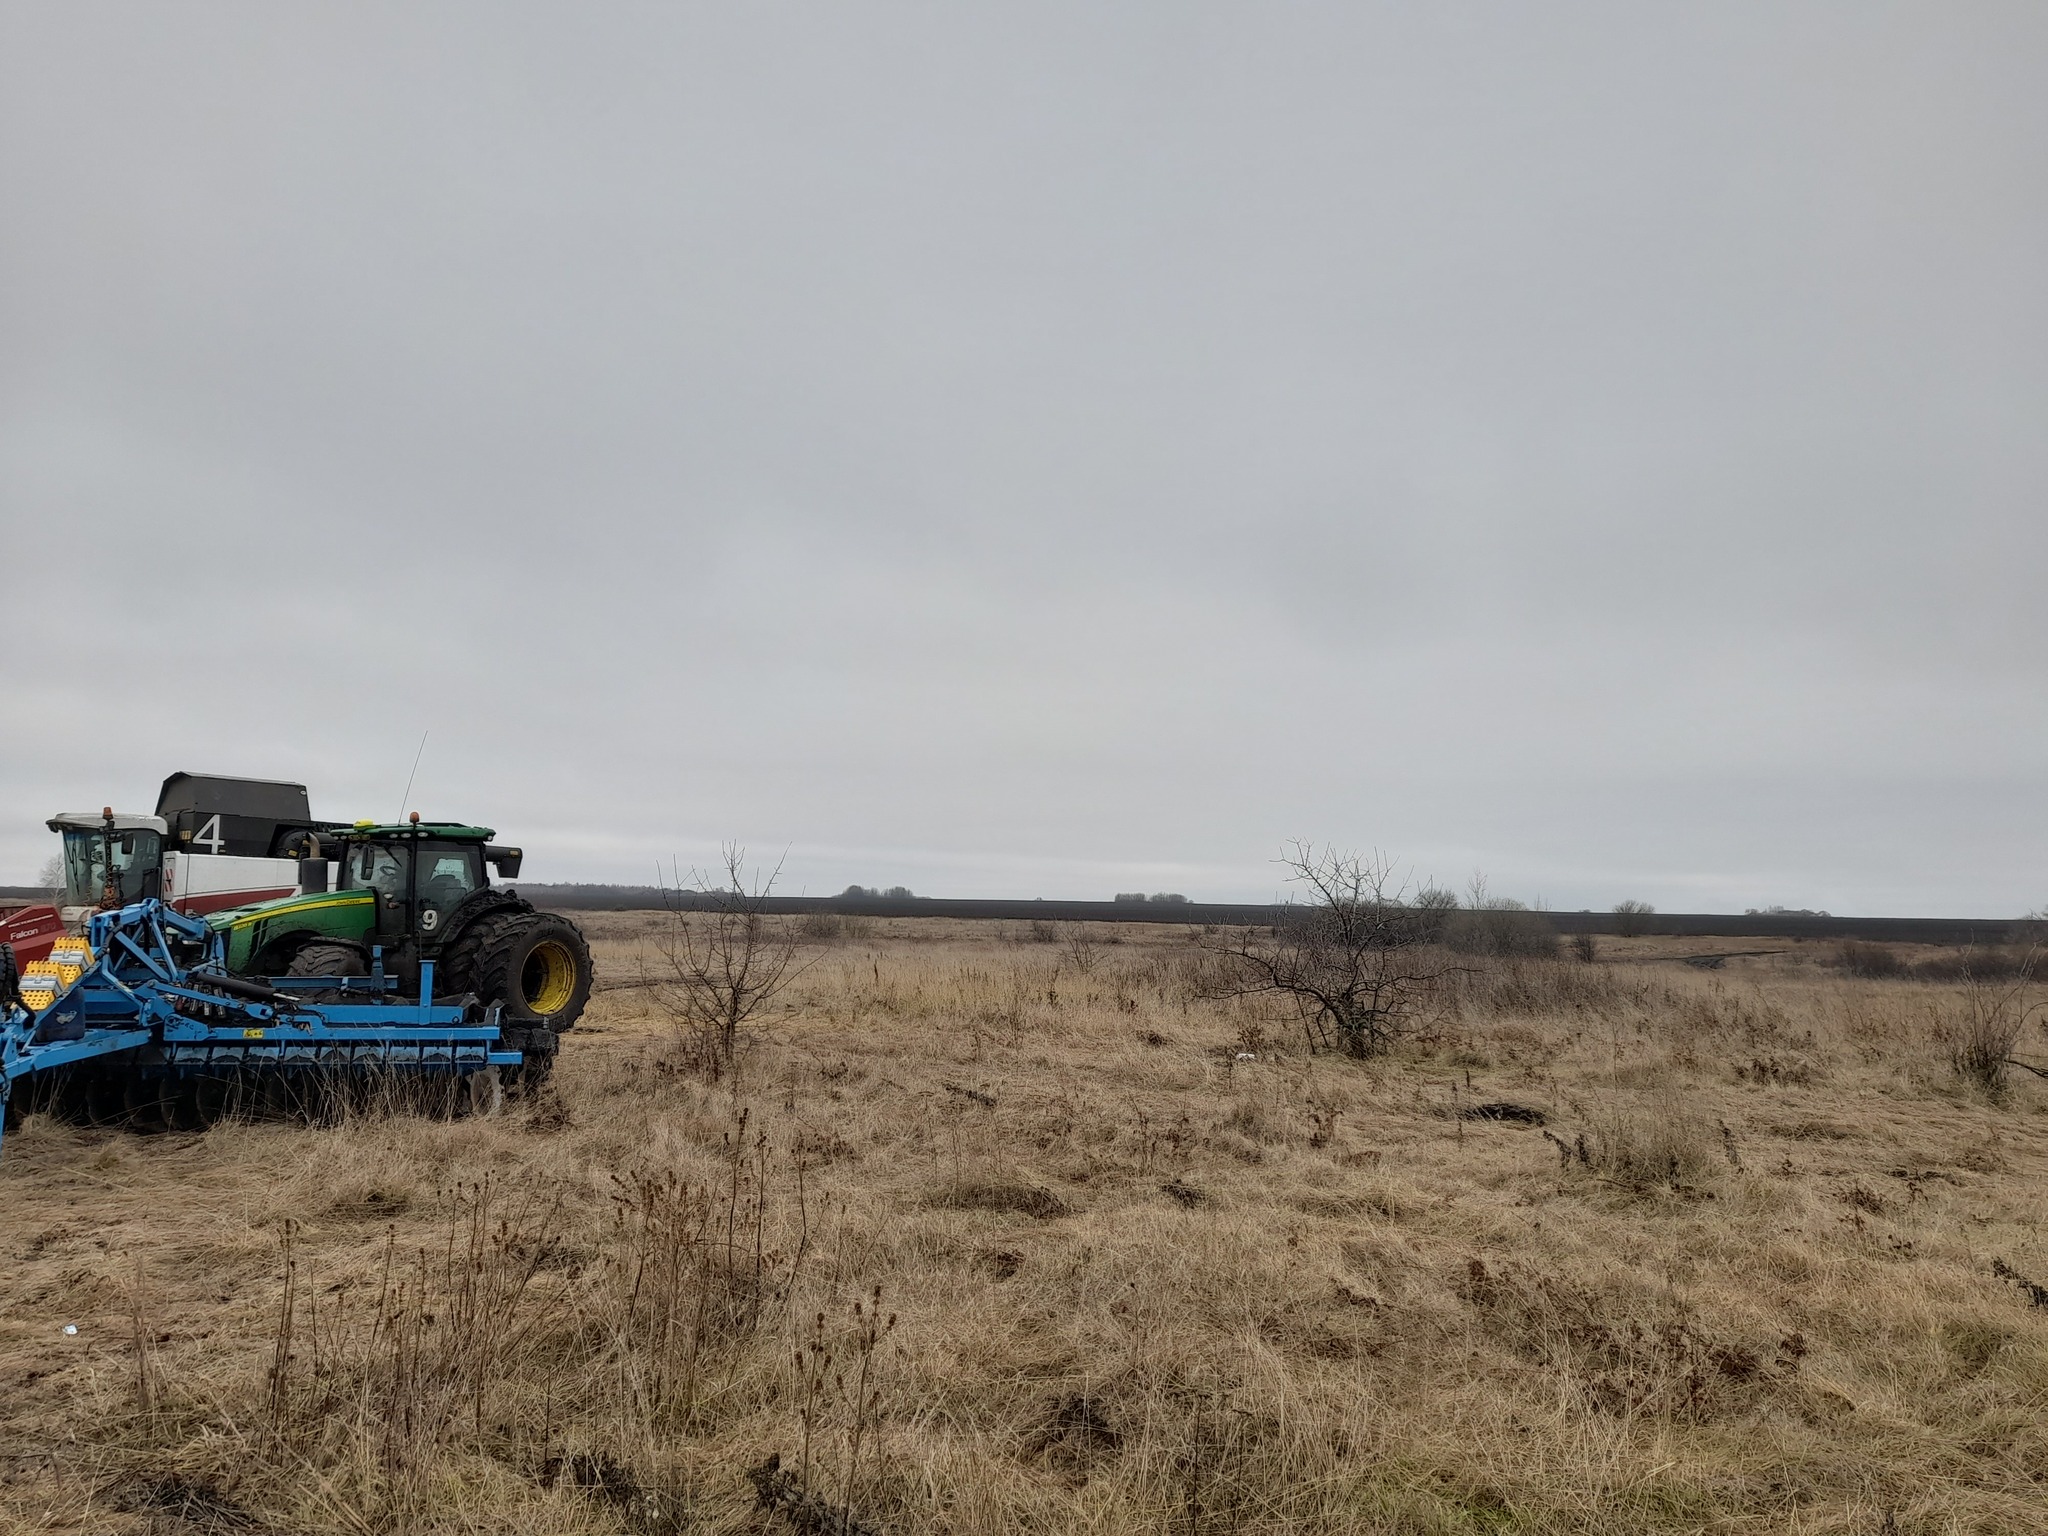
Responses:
[305,847]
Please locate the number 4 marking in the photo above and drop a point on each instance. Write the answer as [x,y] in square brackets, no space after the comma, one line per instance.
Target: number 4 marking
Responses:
[209,838]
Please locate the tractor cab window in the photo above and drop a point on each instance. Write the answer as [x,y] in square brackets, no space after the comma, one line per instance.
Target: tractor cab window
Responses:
[380,867]
[447,874]
[135,856]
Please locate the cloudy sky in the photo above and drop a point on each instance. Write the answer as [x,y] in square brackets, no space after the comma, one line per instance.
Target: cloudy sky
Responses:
[1047,449]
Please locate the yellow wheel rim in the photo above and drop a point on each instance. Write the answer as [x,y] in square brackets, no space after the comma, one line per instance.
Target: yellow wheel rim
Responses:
[548,978]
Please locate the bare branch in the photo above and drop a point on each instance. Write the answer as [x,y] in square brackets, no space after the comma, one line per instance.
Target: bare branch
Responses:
[1356,955]
[723,957]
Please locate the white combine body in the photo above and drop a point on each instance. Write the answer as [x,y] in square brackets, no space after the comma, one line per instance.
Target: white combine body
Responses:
[210,882]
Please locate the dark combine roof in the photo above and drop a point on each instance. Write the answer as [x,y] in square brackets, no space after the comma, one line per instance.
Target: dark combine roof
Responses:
[207,795]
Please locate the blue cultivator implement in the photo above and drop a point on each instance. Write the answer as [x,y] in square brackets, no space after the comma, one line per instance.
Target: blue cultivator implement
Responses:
[142,1024]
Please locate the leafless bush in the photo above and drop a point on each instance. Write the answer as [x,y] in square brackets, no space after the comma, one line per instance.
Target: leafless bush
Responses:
[1487,924]
[823,927]
[1585,948]
[1977,965]
[1503,928]
[1081,945]
[1355,957]
[1859,958]
[723,962]
[1982,1027]
[1629,917]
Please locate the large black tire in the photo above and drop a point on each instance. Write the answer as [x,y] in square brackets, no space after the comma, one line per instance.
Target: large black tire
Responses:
[534,963]
[327,957]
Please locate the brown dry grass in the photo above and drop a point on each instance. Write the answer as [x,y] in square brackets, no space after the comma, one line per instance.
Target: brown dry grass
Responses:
[1742,1280]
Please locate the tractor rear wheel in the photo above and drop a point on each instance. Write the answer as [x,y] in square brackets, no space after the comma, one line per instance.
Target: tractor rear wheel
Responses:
[535,963]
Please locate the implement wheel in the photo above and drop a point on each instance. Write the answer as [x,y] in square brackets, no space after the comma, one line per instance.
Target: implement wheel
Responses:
[535,963]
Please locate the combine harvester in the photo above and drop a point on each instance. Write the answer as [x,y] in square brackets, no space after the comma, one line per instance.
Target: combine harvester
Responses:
[141,1022]
[223,969]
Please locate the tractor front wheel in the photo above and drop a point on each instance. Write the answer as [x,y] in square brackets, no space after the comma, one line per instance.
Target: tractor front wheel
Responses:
[535,963]
[323,958]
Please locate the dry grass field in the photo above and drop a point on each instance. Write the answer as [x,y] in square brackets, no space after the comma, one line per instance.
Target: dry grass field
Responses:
[990,1235]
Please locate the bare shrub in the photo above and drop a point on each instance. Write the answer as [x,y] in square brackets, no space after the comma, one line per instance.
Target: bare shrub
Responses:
[1081,944]
[1585,948]
[825,927]
[1491,925]
[1630,918]
[1981,1028]
[1502,928]
[1354,958]
[723,962]
[1859,958]
[821,927]
[1977,965]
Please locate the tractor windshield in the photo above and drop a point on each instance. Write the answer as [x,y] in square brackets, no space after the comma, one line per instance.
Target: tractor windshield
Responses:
[447,872]
[136,856]
[378,867]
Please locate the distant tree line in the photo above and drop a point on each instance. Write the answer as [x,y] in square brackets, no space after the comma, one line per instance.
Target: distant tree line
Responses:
[1168,898]
[875,893]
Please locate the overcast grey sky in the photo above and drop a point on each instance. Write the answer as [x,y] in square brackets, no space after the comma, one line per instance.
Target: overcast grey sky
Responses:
[1047,449]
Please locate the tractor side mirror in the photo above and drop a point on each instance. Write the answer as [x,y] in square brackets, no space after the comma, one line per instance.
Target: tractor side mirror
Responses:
[505,861]
[312,876]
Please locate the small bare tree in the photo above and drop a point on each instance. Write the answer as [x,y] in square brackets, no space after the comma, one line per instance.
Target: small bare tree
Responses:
[1081,946]
[1631,917]
[1356,956]
[723,956]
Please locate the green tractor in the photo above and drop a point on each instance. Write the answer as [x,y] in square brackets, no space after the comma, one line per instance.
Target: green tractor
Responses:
[418,892]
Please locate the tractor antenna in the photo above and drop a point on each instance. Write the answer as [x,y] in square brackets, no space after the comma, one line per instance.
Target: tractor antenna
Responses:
[414,774]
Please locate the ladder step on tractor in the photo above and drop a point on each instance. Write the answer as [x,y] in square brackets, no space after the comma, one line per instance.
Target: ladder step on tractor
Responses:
[141,1022]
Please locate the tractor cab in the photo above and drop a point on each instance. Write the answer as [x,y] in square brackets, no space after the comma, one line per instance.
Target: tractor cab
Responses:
[420,873]
[109,861]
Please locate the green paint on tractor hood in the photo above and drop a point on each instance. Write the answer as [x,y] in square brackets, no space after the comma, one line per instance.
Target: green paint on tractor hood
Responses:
[251,930]
[286,906]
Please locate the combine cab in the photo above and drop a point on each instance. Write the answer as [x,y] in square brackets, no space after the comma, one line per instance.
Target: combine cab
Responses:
[213,843]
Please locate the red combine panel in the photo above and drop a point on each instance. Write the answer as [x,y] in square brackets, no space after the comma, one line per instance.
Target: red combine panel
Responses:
[31,931]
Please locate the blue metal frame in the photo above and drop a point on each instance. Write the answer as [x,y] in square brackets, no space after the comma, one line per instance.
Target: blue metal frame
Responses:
[159,978]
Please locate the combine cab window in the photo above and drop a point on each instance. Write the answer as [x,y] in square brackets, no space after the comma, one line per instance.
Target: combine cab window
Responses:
[136,855]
